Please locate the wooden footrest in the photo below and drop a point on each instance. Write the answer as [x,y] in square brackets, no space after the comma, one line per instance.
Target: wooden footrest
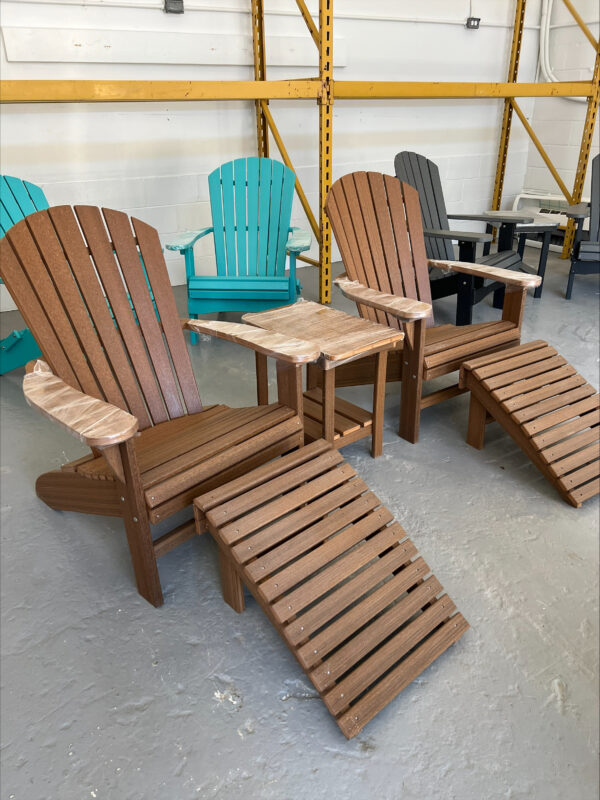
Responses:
[338,578]
[549,410]
[351,422]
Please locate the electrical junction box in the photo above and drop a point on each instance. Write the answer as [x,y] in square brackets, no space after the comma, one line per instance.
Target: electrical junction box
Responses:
[473,23]
[173,7]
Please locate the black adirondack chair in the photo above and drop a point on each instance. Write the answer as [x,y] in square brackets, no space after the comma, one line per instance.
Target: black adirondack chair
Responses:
[423,174]
[585,255]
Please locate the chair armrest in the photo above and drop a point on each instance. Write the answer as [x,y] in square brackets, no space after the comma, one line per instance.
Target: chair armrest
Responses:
[461,236]
[299,241]
[92,421]
[185,240]
[402,307]
[496,217]
[506,276]
[580,211]
[284,348]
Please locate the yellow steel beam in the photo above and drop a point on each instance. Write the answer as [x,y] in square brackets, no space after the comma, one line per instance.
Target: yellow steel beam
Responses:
[260,74]
[430,89]
[61,91]
[288,162]
[541,151]
[513,71]
[579,20]
[325,143]
[584,155]
[314,32]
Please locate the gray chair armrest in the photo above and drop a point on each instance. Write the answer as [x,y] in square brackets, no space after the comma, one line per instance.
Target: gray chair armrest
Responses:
[580,211]
[461,236]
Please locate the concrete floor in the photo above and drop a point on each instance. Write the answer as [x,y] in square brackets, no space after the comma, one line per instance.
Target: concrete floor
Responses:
[105,697]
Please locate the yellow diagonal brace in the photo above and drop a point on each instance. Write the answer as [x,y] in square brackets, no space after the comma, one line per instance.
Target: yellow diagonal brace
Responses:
[288,162]
[579,20]
[542,152]
[309,21]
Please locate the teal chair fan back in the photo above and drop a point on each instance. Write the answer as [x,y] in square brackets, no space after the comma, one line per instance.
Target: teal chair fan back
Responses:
[251,204]
[18,199]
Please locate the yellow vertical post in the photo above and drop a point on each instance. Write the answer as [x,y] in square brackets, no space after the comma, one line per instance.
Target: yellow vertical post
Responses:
[513,71]
[584,154]
[260,73]
[325,143]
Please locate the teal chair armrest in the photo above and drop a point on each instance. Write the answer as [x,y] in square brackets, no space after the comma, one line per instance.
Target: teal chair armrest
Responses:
[299,241]
[186,240]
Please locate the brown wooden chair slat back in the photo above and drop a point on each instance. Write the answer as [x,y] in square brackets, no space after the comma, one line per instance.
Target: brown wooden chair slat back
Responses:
[89,299]
[376,221]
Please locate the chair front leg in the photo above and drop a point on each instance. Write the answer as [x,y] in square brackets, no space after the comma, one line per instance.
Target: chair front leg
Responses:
[412,380]
[137,526]
[289,386]
[514,304]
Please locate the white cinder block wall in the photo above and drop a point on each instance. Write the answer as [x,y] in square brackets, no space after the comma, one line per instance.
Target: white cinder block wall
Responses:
[559,122]
[152,160]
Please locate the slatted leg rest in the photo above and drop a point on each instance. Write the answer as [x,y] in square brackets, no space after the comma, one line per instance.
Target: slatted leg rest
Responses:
[549,410]
[335,574]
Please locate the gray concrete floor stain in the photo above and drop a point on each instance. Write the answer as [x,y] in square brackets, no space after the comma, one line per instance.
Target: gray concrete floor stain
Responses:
[105,697]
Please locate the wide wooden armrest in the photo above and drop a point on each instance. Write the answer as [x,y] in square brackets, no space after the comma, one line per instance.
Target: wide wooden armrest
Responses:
[461,236]
[401,307]
[92,421]
[580,211]
[184,241]
[283,348]
[506,276]
[496,217]
[299,241]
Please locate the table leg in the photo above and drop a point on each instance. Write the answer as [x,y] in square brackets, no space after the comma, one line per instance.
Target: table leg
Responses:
[378,404]
[328,404]
[262,380]
[477,420]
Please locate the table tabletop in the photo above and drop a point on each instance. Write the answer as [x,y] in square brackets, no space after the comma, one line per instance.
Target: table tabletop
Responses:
[339,336]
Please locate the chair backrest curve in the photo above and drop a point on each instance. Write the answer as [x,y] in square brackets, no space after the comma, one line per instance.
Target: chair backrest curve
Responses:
[251,205]
[105,320]
[377,224]
[424,176]
[18,199]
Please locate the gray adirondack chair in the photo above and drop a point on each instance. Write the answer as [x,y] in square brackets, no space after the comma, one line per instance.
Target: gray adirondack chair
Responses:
[424,176]
[585,255]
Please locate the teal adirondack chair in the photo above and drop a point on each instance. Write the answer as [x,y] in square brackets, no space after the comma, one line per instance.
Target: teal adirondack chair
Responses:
[18,199]
[251,206]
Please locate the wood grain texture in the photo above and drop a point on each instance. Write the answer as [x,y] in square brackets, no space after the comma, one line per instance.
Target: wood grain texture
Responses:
[493,273]
[337,577]
[266,342]
[549,410]
[92,421]
[402,307]
[337,335]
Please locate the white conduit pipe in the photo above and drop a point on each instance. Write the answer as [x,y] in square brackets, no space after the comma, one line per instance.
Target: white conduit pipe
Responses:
[544,51]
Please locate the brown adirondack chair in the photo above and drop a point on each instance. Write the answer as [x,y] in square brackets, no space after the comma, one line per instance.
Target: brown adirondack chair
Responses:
[377,224]
[115,363]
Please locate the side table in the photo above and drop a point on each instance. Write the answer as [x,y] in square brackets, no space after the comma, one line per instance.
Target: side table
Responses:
[341,338]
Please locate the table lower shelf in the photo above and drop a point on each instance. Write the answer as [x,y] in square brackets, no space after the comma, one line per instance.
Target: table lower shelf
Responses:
[351,422]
